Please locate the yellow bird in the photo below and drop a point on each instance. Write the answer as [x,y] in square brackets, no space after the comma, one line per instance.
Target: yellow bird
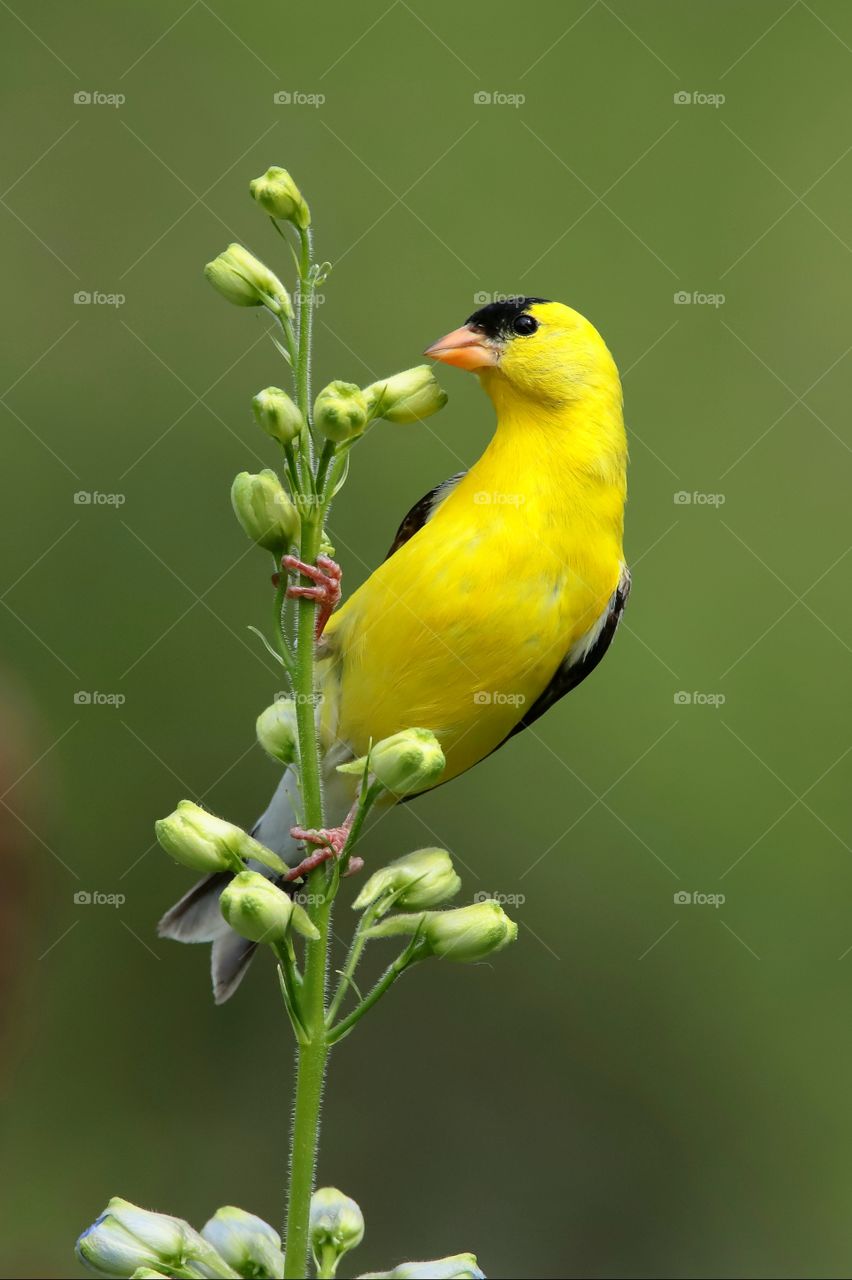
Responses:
[501,592]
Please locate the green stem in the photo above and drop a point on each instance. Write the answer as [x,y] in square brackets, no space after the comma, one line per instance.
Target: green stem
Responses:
[356,949]
[313,1055]
[388,978]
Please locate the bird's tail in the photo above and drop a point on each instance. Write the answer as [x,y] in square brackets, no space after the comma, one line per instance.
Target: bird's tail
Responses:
[197,918]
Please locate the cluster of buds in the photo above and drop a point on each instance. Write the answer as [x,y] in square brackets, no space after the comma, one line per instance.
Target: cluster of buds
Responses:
[343,411]
[128,1241]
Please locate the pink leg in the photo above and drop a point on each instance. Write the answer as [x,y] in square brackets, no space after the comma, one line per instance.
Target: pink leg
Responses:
[330,842]
[325,575]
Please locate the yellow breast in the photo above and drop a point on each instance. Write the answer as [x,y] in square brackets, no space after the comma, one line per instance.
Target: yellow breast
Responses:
[464,626]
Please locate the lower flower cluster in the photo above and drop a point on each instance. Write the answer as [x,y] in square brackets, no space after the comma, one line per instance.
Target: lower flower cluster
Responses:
[136,1243]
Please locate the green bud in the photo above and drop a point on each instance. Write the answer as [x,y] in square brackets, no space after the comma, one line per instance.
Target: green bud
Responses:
[278,195]
[277,731]
[244,280]
[125,1239]
[418,881]
[406,397]
[340,412]
[277,414]
[265,511]
[461,1266]
[464,934]
[337,1225]
[247,1243]
[145,1273]
[405,764]
[198,839]
[258,910]
[201,841]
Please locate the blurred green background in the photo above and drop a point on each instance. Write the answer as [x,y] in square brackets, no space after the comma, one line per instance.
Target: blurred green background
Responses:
[640,1087]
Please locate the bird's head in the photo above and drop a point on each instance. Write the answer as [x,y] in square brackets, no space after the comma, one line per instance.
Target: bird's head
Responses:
[532,349]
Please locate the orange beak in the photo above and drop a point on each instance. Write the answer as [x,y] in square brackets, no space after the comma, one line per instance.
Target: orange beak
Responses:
[464,348]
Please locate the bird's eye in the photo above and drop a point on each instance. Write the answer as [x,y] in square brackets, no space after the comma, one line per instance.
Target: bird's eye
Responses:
[524,325]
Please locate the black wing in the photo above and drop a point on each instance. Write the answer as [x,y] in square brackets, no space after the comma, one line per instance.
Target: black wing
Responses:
[423,511]
[569,674]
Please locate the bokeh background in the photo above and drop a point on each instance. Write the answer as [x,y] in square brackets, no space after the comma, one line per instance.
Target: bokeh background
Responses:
[642,1086]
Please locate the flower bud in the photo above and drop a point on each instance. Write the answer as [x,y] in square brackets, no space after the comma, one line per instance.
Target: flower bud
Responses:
[416,882]
[264,510]
[340,412]
[461,1266]
[278,195]
[258,910]
[337,1225]
[247,1243]
[125,1239]
[405,764]
[277,731]
[244,280]
[464,934]
[199,840]
[277,414]
[145,1273]
[406,397]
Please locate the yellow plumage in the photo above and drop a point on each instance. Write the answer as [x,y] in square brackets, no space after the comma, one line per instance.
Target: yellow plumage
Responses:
[465,625]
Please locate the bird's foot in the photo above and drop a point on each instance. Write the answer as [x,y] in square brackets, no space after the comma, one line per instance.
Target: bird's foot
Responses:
[325,575]
[330,842]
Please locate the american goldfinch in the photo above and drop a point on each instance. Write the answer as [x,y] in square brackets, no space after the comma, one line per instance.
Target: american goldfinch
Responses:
[501,592]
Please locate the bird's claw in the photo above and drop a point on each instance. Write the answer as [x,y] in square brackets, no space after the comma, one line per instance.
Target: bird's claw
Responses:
[325,575]
[330,842]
